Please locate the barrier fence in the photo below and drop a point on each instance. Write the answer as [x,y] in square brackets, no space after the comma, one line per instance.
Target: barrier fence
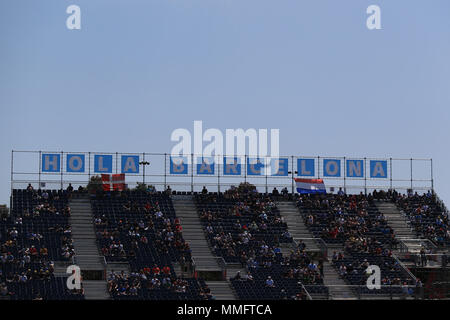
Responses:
[56,170]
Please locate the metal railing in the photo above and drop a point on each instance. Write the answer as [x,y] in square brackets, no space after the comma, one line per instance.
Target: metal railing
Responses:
[362,292]
[308,296]
[413,277]
[322,246]
[414,245]
[220,262]
[159,173]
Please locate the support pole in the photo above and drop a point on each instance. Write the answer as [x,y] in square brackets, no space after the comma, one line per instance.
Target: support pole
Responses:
[390,171]
[365,177]
[89,167]
[12,177]
[219,159]
[40,168]
[61,168]
[345,174]
[432,180]
[165,171]
[192,173]
[143,169]
[117,162]
[292,174]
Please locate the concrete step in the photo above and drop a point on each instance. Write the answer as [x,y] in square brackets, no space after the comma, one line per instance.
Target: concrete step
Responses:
[95,290]
[221,290]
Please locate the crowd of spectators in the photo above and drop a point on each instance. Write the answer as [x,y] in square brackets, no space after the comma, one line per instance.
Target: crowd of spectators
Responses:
[341,217]
[142,224]
[270,275]
[35,235]
[427,216]
[241,223]
[155,283]
[141,228]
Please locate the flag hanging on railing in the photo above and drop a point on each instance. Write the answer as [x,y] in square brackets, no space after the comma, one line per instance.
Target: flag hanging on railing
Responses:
[118,182]
[106,182]
[310,186]
[114,182]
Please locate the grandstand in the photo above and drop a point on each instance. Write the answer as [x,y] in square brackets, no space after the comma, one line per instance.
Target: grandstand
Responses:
[140,243]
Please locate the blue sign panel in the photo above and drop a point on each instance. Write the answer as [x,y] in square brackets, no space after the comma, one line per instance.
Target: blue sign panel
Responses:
[103,163]
[130,164]
[205,165]
[51,162]
[178,165]
[305,167]
[75,163]
[254,166]
[331,167]
[231,166]
[280,167]
[378,168]
[355,168]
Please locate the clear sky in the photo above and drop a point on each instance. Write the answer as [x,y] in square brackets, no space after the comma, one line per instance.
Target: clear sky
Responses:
[138,69]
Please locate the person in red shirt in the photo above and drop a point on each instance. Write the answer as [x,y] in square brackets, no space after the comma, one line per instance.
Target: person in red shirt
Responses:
[33,251]
[156,270]
[166,270]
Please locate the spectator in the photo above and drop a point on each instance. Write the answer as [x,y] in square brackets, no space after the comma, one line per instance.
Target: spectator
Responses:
[269,282]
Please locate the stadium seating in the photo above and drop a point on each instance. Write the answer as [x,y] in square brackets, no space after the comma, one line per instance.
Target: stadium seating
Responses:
[426,215]
[142,229]
[240,224]
[336,218]
[247,228]
[31,239]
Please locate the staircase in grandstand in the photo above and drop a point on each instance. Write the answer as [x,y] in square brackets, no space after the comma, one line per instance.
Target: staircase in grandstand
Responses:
[87,257]
[297,228]
[206,265]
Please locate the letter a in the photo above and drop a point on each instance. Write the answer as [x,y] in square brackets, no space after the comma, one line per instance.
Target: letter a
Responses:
[373,21]
[74,20]
[374,280]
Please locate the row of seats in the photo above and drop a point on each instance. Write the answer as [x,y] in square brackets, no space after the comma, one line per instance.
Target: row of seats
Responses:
[31,239]
[427,216]
[141,228]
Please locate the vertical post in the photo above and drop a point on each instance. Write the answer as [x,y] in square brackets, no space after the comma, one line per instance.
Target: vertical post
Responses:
[61,168]
[292,174]
[390,171]
[40,168]
[318,167]
[12,175]
[89,166]
[165,171]
[345,174]
[117,161]
[365,177]
[432,180]
[411,165]
[266,165]
[219,159]
[143,169]
[245,167]
[192,173]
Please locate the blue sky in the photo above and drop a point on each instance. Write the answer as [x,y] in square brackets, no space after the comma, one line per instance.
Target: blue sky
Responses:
[309,68]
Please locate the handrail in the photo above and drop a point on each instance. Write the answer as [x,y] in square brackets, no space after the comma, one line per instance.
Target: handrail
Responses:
[423,242]
[405,268]
[323,248]
[307,293]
